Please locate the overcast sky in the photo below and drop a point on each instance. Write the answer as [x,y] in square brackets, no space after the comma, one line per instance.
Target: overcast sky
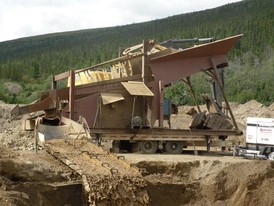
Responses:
[22,18]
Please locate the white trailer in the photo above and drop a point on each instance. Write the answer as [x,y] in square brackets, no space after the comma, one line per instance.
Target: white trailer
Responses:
[259,133]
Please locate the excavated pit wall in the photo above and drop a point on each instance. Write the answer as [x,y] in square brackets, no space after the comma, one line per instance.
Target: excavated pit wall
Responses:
[26,182]
[210,182]
[40,179]
[105,179]
[199,182]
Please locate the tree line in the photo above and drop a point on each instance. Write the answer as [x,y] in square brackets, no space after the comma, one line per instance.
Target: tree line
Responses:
[31,61]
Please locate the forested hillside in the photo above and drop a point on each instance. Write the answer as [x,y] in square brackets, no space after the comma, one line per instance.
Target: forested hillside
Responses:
[29,62]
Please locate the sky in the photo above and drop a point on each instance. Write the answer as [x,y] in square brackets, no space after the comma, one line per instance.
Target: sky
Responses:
[23,18]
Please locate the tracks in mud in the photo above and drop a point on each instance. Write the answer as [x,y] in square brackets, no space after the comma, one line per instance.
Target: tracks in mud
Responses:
[107,179]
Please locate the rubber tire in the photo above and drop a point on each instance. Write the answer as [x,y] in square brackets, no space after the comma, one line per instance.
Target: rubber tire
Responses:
[174,147]
[271,156]
[148,147]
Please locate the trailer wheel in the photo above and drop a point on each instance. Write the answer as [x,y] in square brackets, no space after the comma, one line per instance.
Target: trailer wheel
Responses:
[149,147]
[271,156]
[174,147]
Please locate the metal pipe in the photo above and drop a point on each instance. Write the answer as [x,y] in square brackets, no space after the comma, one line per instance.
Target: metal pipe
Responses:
[144,62]
[53,83]
[133,110]
[161,105]
[144,79]
[97,112]
[195,40]
[71,94]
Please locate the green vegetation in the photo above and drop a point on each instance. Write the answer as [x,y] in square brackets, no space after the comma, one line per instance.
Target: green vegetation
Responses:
[251,77]
[31,61]
[180,92]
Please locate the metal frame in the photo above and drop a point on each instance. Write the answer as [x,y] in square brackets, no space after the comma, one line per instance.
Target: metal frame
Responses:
[205,58]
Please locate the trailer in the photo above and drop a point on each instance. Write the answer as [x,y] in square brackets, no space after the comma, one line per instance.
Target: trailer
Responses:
[122,100]
[259,133]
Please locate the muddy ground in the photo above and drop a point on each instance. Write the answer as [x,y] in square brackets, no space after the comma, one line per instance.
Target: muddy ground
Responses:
[27,178]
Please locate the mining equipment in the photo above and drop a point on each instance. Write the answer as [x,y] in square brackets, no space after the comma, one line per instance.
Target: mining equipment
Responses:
[122,99]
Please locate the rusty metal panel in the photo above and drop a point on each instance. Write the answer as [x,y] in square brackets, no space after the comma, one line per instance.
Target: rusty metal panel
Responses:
[154,103]
[86,107]
[178,65]
[108,98]
[118,114]
[137,88]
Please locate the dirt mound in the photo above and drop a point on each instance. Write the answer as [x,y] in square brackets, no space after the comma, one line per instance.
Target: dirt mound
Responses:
[251,109]
[11,133]
[210,182]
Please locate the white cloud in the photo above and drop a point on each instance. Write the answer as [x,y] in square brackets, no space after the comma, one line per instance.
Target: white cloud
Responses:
[21,18]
